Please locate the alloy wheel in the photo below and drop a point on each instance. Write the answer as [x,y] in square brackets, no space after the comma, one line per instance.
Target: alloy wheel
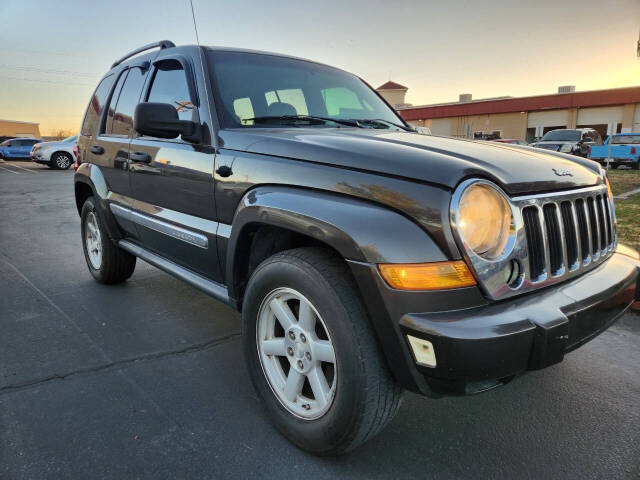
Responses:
[93,241]
[296,353]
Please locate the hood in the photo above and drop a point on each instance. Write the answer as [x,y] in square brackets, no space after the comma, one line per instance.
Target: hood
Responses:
[437,160]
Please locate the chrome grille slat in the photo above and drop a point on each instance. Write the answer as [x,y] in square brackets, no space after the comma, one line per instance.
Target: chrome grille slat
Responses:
[545,244]
[578,234]
[563,239]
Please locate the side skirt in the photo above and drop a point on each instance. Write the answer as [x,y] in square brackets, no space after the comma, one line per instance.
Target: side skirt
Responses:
[214,289]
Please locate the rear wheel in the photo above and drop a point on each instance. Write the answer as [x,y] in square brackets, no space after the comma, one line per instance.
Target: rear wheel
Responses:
[312,355]
[107,263]
[61,161]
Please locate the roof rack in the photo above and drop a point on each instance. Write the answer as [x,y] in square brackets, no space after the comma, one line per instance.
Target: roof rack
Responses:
[162,44]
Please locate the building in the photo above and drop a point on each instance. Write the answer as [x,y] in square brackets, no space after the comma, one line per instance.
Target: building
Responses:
[14,128]
[528,118]
[394,94]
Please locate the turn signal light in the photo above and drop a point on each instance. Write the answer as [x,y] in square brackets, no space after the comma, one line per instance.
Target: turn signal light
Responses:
[427,276]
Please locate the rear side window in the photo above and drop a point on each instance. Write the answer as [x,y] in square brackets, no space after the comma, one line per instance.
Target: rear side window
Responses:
[170,86]
[106,128]
[96,106]
[127,101]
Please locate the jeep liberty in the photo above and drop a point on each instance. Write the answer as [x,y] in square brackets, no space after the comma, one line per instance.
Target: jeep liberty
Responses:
[366,258]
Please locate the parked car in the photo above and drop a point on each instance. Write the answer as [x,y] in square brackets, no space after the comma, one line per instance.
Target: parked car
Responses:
[17,147]
[620,149]
[58,155]
[365,258]
[423,130]
[570,140]
[511,141]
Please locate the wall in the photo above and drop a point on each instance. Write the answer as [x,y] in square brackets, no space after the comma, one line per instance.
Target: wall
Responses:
[394,97]
[19,129]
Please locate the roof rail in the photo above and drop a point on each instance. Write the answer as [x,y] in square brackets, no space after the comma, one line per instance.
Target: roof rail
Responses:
[162,44]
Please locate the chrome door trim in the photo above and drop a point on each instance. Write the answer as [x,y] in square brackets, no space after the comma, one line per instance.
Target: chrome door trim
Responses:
[187,236]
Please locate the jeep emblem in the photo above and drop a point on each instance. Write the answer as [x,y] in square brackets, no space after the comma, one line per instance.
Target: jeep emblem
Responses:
[561,172]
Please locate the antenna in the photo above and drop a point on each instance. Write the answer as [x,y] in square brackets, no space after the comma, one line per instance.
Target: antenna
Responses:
[195,27]
[214,138]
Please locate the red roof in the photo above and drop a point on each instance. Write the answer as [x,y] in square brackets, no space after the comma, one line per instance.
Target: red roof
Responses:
[595,98]
[391,86]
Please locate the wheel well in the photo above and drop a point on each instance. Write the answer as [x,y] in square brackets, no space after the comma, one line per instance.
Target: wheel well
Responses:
[83,191]
[257,243]
[61,151]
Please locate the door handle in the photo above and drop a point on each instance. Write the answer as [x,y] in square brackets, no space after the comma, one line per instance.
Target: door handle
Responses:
[97,149]
[224,171]
[140,157]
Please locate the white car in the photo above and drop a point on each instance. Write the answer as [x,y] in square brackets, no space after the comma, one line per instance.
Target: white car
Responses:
[57,155]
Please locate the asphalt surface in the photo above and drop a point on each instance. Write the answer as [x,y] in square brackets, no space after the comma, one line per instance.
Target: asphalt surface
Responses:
[147,380]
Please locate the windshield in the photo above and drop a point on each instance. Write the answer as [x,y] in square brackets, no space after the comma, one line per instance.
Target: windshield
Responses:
[562,135]
[266,90]
[626,139]
[71,139]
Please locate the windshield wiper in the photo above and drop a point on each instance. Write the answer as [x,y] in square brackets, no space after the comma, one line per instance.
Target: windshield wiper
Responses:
[276,118]
[381,121]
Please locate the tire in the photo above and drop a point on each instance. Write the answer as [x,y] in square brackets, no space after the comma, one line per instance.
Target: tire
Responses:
[363,397]
[61,161]
[114,264]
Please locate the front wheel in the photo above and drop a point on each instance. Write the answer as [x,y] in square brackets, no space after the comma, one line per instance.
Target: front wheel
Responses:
[312,354]
[107,263]
[61,161]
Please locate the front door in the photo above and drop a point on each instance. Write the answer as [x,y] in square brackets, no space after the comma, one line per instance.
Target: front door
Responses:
[172,181]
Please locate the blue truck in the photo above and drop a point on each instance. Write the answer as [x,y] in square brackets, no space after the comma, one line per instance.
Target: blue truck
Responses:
[620,149]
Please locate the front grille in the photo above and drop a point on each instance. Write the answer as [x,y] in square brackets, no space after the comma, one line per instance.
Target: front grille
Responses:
[566,233]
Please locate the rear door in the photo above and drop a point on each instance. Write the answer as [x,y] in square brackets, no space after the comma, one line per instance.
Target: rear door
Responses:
[172,180]
[110,148]
[13,149]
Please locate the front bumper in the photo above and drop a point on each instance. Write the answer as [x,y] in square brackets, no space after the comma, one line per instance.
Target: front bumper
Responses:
[39,157]
[485,345]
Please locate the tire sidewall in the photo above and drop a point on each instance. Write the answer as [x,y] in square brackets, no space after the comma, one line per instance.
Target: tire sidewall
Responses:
[325,432]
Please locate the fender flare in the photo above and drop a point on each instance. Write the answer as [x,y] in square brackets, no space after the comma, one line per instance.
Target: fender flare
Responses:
[91,176]
[358,230]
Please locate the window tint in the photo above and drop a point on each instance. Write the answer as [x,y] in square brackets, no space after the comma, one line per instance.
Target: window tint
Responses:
[96,105]
[170,86]
[106,128]
[127,101]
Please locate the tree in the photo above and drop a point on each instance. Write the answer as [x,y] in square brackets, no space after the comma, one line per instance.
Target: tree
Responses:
[60,133]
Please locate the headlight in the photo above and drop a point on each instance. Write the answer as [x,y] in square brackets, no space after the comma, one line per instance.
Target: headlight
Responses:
[566,148]
[484,220]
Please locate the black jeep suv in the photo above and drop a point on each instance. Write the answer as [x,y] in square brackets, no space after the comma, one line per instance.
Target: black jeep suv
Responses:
[365,258]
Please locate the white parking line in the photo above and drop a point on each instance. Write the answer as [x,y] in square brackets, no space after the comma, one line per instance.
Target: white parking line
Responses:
[9,170]
[22,168]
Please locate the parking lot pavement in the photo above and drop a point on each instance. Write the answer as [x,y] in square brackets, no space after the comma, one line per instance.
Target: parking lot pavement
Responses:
[146,380]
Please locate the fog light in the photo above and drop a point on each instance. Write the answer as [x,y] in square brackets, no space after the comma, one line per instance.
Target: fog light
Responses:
[423,351]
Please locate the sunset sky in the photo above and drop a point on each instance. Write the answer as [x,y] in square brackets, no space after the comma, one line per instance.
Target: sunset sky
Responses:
[52,54]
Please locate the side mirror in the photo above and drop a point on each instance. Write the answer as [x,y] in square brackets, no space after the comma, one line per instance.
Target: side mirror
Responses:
[161,120]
